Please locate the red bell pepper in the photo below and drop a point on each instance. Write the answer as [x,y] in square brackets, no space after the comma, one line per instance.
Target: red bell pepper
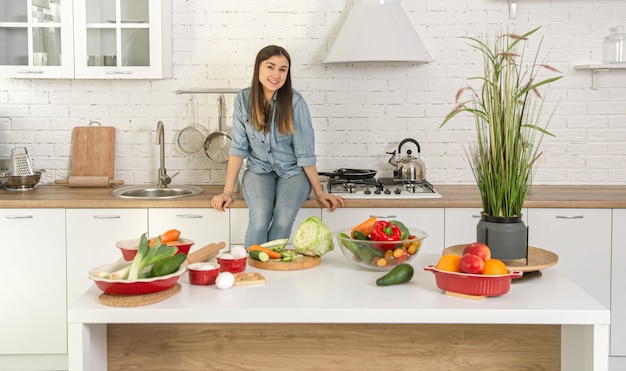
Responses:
[385,231]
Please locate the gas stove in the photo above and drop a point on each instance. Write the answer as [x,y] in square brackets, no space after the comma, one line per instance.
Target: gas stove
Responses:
[381,188]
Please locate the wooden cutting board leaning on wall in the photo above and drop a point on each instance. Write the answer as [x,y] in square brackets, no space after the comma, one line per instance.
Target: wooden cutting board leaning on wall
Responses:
[93,151]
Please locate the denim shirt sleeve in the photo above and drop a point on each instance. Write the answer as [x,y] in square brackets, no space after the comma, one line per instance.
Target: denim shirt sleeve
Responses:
[285,154]
[240,146]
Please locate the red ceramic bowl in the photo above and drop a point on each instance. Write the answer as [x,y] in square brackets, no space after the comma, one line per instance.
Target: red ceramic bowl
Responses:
[135,287]
[129,247]
[231,265]
[203,273]
[473,284]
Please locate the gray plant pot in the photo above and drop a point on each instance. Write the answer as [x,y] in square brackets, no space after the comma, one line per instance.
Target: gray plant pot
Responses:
[507,238]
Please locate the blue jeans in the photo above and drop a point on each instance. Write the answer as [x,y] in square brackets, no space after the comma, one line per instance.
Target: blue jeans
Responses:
[273,204]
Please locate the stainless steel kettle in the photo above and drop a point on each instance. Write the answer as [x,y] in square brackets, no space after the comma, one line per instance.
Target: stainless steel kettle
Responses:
[408,167]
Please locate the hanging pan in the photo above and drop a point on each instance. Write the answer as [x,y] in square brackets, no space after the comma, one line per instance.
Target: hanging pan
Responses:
[190,140]
[217,144]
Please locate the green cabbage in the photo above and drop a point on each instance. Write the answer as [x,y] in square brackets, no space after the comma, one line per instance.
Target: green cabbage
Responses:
[312,237]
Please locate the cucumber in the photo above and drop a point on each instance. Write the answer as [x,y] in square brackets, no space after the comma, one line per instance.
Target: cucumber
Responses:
[167,266]
[259,255]
[276,245]
[401,273]
[358,235]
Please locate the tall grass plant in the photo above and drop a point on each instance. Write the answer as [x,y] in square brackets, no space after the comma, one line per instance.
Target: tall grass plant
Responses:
[508,117]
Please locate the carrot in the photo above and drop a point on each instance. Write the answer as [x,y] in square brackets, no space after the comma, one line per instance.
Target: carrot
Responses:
[272,254]
[168,236]
[365,227]
[171,235]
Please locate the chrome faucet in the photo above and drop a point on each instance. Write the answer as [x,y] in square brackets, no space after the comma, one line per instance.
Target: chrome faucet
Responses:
[163,180]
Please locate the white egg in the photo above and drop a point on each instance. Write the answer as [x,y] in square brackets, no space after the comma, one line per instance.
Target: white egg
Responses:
[238,252]
[225,280]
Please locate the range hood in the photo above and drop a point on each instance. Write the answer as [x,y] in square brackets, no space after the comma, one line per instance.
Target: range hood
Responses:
[377,31]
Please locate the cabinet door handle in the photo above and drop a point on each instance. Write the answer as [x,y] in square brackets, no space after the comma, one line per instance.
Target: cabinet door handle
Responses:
[189,216]
[476,216]
[107,217]
[570,217]
[31,72]
[119,72]
[18,217]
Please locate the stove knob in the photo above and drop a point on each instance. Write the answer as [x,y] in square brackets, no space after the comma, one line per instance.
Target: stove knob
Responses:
[377,191]
[387,192]
[367,191]
[397,191]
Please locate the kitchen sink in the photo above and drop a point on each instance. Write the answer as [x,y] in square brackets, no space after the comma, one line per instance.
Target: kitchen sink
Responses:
[154,192]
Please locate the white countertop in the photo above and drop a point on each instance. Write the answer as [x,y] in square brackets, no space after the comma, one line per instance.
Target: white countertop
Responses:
[338,292]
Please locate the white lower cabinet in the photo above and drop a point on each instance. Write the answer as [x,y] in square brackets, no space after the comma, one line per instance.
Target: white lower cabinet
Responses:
[239,223]
[582,240]
[32,272]
[91,237]
[618,285]
[202,226]
[429,220]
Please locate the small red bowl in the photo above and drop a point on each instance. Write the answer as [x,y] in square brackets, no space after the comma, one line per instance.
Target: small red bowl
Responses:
[135,287]
[129,247]
[231,265]
[203,273]
[473,284]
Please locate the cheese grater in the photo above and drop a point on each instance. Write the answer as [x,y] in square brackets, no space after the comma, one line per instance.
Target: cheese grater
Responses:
[20,163]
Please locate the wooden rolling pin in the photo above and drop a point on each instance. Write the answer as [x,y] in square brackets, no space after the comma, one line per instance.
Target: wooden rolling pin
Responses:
[89,181]
[204,253]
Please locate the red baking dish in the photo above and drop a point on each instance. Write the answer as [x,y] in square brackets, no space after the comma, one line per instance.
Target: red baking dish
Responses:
[135,287]
[129,247]
[473,284]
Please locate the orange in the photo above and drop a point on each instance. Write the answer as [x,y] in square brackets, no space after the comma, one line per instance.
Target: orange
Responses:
[449,262]
[495,267]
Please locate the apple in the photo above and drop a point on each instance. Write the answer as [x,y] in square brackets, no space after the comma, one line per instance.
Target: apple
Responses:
[472,264]
[478,248]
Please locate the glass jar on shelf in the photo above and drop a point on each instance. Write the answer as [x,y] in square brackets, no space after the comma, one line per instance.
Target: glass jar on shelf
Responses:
[614,47]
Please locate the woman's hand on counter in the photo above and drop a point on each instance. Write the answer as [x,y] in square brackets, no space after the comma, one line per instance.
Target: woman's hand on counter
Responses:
[222,201]
[329,201]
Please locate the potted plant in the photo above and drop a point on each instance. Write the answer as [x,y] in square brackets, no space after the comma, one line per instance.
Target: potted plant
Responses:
[507,112]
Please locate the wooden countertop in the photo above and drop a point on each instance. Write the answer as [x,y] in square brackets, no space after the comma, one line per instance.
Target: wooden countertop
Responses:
[461,196]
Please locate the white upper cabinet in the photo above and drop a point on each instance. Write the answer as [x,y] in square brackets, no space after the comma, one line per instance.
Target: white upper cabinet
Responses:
[86,39]
[123,39]
[36,39]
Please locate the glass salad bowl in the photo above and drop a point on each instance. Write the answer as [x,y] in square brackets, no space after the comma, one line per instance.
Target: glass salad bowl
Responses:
[379,255]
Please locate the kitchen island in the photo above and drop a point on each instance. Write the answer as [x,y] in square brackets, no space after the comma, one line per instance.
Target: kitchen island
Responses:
[341,296]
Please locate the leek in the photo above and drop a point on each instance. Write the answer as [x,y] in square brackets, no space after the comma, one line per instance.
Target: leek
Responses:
[147,255]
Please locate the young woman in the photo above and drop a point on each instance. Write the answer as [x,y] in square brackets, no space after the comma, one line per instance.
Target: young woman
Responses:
[273,131]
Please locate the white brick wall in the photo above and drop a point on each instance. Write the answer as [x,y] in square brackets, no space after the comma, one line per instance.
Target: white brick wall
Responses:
[360,111]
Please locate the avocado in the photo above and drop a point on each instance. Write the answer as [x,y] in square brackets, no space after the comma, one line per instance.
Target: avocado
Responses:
[401,273]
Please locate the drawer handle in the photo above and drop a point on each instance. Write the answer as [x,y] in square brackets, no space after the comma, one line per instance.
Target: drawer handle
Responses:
[31,72]
[570,217]
[383,217]
[476,216]
[107,217]
[118,72]
[18,217]
[189,216]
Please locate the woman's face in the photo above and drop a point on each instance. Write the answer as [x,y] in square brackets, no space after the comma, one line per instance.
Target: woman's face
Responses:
[273,74]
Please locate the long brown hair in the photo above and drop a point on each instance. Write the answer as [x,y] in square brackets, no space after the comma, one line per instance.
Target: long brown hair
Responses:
[259,111]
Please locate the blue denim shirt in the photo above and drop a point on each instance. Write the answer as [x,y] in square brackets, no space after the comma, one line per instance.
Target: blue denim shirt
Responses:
[285,154]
